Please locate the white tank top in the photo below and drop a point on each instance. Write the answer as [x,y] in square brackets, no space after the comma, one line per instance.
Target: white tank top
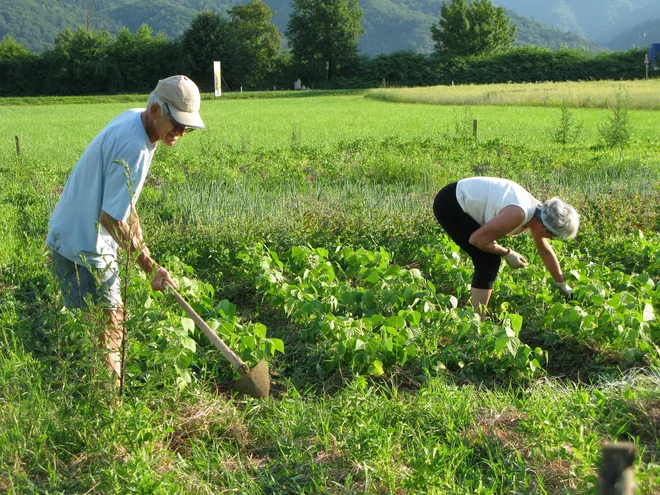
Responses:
[483,198]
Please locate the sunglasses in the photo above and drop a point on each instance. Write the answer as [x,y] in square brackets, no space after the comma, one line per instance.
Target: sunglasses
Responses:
[178,128]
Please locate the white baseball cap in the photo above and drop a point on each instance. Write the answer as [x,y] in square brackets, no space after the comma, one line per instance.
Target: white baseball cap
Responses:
[182,98]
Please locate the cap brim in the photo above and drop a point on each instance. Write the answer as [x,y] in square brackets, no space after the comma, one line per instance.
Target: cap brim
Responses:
[189,119]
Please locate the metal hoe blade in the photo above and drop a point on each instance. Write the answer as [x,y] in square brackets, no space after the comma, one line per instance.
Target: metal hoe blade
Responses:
[256,383]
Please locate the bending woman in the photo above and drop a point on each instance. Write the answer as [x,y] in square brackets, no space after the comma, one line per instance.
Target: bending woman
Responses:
[478,211]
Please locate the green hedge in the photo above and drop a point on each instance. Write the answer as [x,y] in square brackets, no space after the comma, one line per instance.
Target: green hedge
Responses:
[60,74]
[523,64]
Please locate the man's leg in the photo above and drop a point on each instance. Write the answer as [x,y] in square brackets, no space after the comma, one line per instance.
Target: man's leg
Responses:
[112,340]
[77,284]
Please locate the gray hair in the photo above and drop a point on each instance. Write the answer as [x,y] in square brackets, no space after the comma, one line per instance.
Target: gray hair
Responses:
[155,100]
[560,218]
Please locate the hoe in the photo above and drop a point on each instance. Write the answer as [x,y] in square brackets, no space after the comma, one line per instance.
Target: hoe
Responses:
[255,382]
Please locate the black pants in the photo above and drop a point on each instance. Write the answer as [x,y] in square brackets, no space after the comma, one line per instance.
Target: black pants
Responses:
[460,226]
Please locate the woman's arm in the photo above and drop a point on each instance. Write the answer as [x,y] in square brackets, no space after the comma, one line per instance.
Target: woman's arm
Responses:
[507,220]
[549,257]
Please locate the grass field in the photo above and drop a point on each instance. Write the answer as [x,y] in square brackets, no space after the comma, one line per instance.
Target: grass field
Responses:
[312,216]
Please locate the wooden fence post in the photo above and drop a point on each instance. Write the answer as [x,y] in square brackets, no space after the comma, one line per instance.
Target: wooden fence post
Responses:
[615,476]
[18,146]
[474,128]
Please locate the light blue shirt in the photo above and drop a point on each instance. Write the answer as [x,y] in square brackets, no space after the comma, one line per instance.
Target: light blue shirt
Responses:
[108,176]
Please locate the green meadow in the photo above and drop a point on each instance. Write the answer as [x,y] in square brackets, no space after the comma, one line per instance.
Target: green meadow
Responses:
[301,230]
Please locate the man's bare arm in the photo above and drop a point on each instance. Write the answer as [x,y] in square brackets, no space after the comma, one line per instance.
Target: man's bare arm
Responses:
[128,235]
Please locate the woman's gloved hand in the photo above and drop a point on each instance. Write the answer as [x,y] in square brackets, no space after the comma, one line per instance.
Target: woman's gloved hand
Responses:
[566,291]
[516,260]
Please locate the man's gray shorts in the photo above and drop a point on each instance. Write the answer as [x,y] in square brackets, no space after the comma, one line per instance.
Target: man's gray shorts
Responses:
[80,284]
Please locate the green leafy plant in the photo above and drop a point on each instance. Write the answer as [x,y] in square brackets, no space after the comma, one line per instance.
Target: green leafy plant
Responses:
[165,344]
[373,316]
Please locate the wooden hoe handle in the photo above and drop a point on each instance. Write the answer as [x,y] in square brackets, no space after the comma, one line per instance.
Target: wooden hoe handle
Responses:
[238,364]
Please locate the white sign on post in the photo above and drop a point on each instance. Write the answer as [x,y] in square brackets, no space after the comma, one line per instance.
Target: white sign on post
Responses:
[217,79]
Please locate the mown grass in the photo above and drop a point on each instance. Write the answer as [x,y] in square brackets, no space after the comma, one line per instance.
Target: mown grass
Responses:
[593,94]
[250,125]
[326,171]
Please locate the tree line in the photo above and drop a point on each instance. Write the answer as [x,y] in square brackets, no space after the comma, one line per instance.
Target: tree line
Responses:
[473,44]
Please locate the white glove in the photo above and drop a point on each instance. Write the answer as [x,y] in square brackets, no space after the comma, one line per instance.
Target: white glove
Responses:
[565,290]
[515,260]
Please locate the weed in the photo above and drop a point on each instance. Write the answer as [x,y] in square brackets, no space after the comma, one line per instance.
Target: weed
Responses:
[615,131]
[464,127]
[568,130]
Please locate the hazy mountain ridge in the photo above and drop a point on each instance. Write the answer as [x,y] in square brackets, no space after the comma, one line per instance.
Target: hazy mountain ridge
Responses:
[641,35]
[533,32]
[600,20]
[390,25]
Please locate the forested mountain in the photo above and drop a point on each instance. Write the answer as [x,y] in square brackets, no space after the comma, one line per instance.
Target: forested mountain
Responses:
[600,20]
[389,25]
[35,23]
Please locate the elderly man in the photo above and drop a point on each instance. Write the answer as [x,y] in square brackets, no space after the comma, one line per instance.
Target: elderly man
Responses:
[96,210]
[478,211]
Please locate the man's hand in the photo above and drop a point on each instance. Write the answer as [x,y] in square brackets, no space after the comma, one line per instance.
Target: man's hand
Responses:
[566,291]
[162,277]
[515,260]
